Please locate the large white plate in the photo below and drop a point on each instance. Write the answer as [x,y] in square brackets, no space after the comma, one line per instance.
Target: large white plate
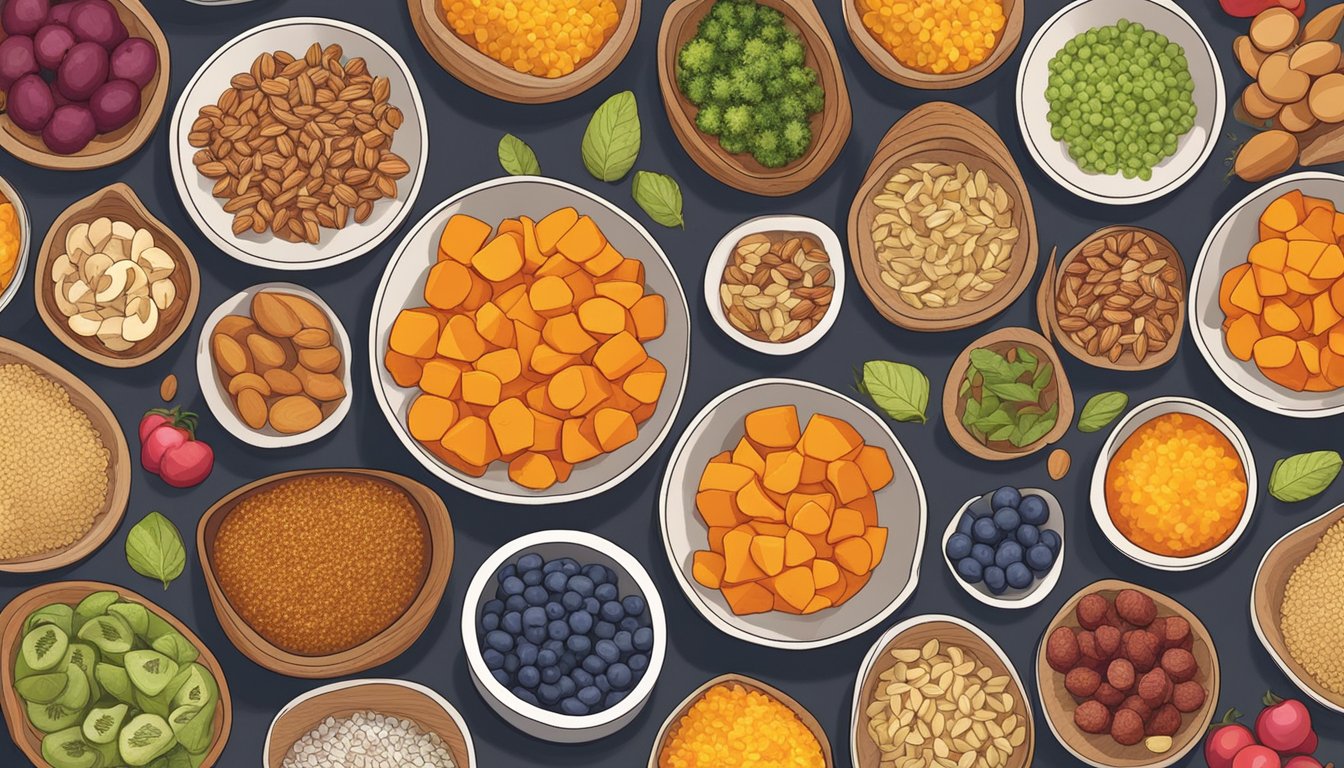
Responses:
[295,35]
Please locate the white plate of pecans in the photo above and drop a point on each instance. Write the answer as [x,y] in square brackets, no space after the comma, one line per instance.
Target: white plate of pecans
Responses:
[300,144]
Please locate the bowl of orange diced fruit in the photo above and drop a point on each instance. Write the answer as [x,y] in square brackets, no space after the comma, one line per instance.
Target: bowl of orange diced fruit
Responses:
[529,342]
[1267,309]
[792,516]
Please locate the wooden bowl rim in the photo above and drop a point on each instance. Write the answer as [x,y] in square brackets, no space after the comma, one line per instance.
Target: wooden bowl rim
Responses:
[118,469]
[393,640]
[799,711]
[11,624]
[1194,725]
[885,64]
[133,136]
[831,126]
[951,399]
[86,209]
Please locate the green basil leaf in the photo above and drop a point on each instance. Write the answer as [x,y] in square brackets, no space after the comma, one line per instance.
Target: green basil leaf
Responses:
[517,158]
[1000,434]
[993,420]
[1044,375]
[611,143]
[993,366]
[1302,476]
[971,415]
[1040,427]
[1013,391]
[154,549]
[660,197]
[900,390]
[1101,410]
[1026,356]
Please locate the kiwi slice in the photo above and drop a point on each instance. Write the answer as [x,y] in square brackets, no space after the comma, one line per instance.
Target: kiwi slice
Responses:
[102,724]
[42,689]
[157,627]
[58,614]
[150,671]
[68,749]
[154,705]
[145,738]
[177,757]
[77,693]
[53,717]
[93,606]
[177,648]
[194,727]
[85,657]
[115,682]
[197,689]
[135,615]
[110,634]
[44,647]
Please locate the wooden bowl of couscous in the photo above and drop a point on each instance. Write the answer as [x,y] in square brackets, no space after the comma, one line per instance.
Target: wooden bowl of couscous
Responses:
[543,75]
[892,53]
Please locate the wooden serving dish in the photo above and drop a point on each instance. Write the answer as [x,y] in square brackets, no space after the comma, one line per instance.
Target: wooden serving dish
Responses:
[386,697]
[914,633]
[954,404]
[886,65]
[115,146]
[28,738]
[384,646]
[490,77]
[1100,749]
[1271,582]
[830,127]
[119,202]
[1049,318]
[946,133]
[665,732]
[118,468]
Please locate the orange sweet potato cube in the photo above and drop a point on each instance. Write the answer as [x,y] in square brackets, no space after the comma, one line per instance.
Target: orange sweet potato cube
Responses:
[718,508]
[828,438]
[566,334]
[746,599]
[578,441]
[650,315]
[847,480]
[622,292]
[768,553]
[782,471]
[493,325]
[602,315]
[429,418]
[604,262]
[415,333]
[533,470]
[460,340]
[447,285]
[775,427]
[614,428]
[553,227]
[405,370]
[619,355]
[746,454]
[845,523]
[500,259]
[725,476]
[462,237]
[645,382]
[854,555]
[513,425]
[797,549]
[707,569]
[582,241]
[753,502]
[470,438]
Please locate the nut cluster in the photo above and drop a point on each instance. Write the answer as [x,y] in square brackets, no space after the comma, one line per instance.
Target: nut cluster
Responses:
[943,235]
[777,286]
[1122,294]
[939,706]
[298,144]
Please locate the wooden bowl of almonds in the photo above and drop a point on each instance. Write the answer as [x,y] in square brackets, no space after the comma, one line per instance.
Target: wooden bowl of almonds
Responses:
[942,233]
[987,721]
[1117,300]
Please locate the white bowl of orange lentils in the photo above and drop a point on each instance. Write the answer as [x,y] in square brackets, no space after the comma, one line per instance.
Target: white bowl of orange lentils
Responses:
[15,239]
[1175,485]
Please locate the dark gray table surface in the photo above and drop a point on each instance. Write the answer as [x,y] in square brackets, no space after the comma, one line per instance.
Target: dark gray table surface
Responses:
[464,128]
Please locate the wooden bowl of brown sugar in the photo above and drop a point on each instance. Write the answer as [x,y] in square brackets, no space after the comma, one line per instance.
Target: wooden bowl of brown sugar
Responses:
[325,573]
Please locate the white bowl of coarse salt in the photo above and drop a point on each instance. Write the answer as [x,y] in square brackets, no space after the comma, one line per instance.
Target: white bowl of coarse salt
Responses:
[391,722]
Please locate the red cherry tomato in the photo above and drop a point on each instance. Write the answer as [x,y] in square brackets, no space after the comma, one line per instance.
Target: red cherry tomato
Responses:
[159,442]
[1303,761]
[1284,724]
[1257,756]
[187,465]
[1226,740]
[152,421]
[1307,747]
[169,448]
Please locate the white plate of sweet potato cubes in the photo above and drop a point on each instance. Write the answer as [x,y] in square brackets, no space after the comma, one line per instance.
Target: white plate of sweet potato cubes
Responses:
[529,342]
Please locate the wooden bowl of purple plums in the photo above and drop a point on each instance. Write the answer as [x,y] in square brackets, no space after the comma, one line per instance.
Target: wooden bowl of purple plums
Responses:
[84,81]
[1006,548]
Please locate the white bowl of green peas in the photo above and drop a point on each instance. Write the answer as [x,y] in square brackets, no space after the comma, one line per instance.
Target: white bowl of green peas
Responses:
[1120,101]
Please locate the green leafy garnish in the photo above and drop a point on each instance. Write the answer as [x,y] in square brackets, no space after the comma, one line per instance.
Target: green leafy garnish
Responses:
[517,158]
[900,390]
[611,142]
[1101,410]
[154,549]
[660,197]
[1005,397]
[1302,476]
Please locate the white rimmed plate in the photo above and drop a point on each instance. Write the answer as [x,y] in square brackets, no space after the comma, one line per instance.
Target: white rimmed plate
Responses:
[295,35]
[1013,598]
[25,241]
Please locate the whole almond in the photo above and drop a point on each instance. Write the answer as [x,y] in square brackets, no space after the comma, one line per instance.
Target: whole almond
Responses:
[1058,464]
[320,360]
[294,414]
[266,352]
[249,380]
[320,386]
[274,316]
[283,382]
[168,388]
[309,313]
[311,338]
[230,356]
[252,408]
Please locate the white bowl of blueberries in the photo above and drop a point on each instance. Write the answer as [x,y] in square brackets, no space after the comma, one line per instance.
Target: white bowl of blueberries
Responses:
[565,635]
[1006,548]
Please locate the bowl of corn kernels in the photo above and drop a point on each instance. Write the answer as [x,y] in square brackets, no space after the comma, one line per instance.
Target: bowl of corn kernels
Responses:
[15,235]
[967,52]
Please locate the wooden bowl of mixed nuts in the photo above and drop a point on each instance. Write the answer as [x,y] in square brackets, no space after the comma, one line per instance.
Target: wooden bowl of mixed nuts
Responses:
[772,286]
[1117,300]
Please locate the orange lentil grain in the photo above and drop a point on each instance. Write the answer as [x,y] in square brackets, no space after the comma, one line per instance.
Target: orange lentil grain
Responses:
[733,726]
[935,36]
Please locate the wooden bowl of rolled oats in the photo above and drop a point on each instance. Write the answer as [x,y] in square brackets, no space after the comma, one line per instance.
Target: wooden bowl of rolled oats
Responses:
[942,233]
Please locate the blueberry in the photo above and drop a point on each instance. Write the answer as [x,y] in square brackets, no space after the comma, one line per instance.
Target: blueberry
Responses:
[513,586]
[594,664]
[511,664]
[529,677]
[603,684]
[493,607]
[590,695]
[1028,535]
[526,695]
[1019,576]
[536,595]
[1009,552]
[628,624]
[558,629]
[568,660]
[620,676]
[535,634]
[493,659]
[1034,510]
[548,693]
[964,524]
[533,578]
[555,611]
[579,644]
[501,677]
[959,546]
[489,622]
[604,630]
[552,566]
[512,622]
[970,570]
[581,678]
[596,572]
[633,605]
[572,601]
[1007,496]
[607,650]
[555,581]
[506,572]
[547,657]
[550,675]
[570,567]
[1007,519]
[592,605]
[985,531]
[613,699]
[534,616]
[643,639]
[983,554]
[530,562]
[572,706]
[612,611]
[625,641]
[500,641]
[606,592]
[515,603]
[527,653]
[581,622]
[995,579]
[581,584]
[1040,558]
[638,663]
[1051,539]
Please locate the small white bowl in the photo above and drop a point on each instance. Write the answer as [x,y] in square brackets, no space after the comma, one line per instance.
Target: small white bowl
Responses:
[1137,417]
[718,261]
[902,506]
[1193,149]
[1013,598]
[335,246]
[1226,247]
[25,241]
[531,719]
[221,404]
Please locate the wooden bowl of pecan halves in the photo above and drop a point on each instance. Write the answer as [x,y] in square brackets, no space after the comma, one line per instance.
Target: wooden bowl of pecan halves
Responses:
[1117,300]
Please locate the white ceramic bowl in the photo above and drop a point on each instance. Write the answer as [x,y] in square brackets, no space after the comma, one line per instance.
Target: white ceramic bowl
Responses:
[295,35]
[1137,417]
[25,242]
[403,285]
[1226,247]
[217,397]
[718,260]
[903,511]
[1193,149]
[531,719]
[1011,597]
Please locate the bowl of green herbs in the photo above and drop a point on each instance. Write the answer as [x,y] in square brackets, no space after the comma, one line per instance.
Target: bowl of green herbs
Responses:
[1007,396]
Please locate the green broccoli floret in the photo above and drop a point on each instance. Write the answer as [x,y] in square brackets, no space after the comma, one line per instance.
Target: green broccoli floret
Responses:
[814,99]
[790,107]
[747,88]
[797,136]
[756,48]
[748,15]
[697,89]
[698,57]
[769,17]
[734,145]
[792,53]
[762,60]
[721,89]
[724,13]
[737,121]
[772,33]
[710,119]
[733,40]
[711,29]
[768,149]
[801,77]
